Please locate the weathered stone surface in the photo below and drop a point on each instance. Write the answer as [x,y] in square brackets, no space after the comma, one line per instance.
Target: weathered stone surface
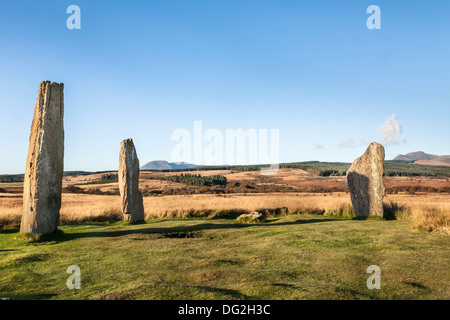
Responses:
[253,217]
[44,168]
[365,182]
[132,203]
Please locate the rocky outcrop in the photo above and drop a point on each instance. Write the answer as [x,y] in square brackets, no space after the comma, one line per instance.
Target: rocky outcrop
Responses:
[44,167]
[132,203]
[254,217]
[365,182]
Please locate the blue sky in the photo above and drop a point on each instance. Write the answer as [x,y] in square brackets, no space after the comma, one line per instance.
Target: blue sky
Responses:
[312,69]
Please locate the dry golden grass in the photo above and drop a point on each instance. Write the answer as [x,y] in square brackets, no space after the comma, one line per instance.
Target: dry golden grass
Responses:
[429,212]
[75,208]
[10,210]
[436,200]
[79,208]
[430,219]
[174,206]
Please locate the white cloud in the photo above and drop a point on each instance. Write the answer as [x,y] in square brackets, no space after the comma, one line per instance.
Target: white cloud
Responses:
[392,130]
[347,143]
[318,146]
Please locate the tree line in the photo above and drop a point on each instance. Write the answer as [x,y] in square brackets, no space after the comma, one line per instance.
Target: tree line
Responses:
[197,179]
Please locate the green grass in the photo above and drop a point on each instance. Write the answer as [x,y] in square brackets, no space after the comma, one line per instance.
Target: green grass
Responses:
[293,257]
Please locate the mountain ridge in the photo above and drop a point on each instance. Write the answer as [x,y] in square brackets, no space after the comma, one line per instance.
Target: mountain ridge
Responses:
[164,165]
[422,156]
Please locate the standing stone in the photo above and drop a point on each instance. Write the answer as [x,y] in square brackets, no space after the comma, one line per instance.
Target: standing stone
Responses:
[132,203]
[365,182]
[44,168]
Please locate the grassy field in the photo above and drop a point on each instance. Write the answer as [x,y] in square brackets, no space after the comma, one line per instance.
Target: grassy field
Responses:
[192,247]
[293,257]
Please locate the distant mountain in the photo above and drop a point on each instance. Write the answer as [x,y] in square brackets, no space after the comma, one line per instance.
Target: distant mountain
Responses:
[164,165]
[423,158]
[182,165]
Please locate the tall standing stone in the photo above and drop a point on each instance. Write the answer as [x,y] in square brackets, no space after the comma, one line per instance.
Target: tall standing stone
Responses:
[44,168]
[132,203]
[365,182]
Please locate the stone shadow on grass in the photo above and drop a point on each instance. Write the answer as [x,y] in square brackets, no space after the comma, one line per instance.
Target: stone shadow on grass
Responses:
[9,230]
[150,229]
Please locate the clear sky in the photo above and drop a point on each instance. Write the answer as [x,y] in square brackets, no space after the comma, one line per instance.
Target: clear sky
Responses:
[312,69]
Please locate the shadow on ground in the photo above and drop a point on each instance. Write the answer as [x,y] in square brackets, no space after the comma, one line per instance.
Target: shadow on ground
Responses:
[150,229]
